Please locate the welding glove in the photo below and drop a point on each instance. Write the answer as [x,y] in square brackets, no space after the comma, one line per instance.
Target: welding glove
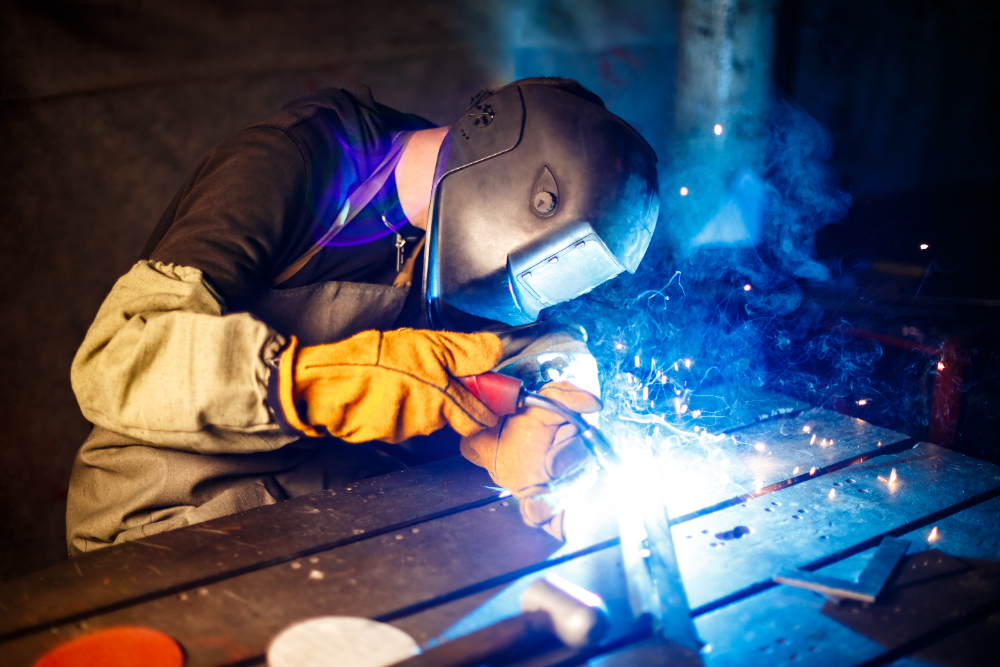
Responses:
[383,385]
[538,456]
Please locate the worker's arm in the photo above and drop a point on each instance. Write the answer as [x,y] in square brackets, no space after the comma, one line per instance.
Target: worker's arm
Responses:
[162,364]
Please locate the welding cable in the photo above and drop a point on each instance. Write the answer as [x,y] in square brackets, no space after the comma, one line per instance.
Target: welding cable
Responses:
[592,436]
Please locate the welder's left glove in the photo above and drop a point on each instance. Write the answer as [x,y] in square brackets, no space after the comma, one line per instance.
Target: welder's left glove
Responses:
[386,386]
[538,456]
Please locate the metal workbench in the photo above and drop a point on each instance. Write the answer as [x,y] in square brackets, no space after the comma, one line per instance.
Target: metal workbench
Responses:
[437,552]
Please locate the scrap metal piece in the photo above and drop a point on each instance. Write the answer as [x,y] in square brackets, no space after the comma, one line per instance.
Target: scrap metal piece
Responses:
[869,584]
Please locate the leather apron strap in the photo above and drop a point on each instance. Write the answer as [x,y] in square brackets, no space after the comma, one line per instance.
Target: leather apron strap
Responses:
[357,200]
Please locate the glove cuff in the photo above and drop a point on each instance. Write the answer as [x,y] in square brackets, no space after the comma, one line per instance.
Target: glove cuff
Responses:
[281,394]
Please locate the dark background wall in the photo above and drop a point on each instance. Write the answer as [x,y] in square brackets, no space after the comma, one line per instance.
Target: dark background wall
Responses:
[106,105]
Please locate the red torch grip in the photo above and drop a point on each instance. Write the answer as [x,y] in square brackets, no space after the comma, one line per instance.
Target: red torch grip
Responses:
[500,393]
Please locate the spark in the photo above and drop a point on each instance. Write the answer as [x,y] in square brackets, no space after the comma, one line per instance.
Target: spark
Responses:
[923,246]
[637,361]
[676,367]
[812,471]
[940,366]
[687,363]
[796,471]
[812,440]
[747,287]
[684,192]
[879,443]
[645,393]
[684,408]
[628,376]
[892,478]
[759,446]
[619,346]
[933,534]
[652,404]
[696,413]
[806,429]
[760,485]
[717,129]
[832,494]
[863,401]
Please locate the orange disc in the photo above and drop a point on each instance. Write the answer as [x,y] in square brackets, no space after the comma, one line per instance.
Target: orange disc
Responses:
[117,647]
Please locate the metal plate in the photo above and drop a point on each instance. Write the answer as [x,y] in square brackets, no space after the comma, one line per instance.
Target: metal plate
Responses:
[705,475]
[785,624]
[932,595]
[460,562]
[798,526]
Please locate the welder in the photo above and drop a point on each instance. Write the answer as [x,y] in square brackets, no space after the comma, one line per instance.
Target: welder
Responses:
[309,297]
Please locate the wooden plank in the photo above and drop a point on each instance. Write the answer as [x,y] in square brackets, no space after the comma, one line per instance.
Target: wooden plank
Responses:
[172,561]
[233,619]
[168,562]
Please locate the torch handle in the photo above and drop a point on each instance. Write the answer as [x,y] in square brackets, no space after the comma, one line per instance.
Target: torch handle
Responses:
[500,393]
[503,395]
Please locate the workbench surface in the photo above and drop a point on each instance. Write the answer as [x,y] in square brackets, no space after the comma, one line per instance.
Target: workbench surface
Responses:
[436,551]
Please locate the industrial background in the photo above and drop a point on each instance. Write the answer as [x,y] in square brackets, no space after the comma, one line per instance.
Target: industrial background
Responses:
[106,106]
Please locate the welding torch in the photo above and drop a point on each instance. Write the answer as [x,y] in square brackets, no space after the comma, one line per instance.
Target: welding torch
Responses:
[655,587]
[505,395]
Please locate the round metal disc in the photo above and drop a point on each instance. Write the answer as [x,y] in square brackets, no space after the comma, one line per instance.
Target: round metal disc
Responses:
[341,641]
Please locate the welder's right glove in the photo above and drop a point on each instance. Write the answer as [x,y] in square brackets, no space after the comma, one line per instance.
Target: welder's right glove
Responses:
[538,456]
[383,385]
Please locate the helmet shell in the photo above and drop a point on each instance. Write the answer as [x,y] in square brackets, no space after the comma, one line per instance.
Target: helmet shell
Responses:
[539,196]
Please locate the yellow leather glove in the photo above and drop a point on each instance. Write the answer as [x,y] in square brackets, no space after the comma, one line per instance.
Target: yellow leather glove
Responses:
[384,385]
[538,456]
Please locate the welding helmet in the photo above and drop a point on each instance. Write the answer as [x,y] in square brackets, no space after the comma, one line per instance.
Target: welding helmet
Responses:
[539,196]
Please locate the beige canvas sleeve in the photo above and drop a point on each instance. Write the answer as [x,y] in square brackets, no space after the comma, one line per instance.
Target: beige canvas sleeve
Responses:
[163,364]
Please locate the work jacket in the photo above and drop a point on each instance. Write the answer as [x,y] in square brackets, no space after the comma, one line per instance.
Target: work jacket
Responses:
[173,373]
